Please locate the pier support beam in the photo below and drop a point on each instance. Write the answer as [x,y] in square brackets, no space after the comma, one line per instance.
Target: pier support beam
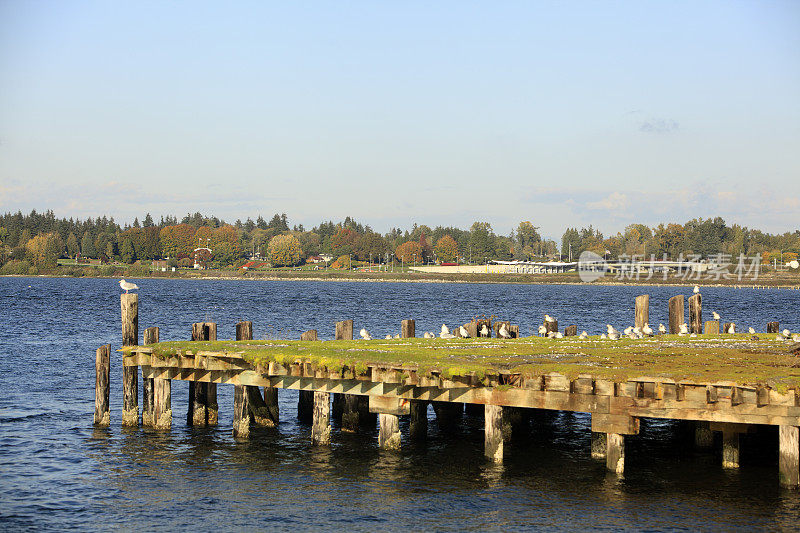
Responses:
[389,434]
[615,453]
[351,413]
[162,403]
[730,448]
[448,414]
[321,425]
[493,433]
[789,458]
[598,445]
[513,422]
[203,409]
[418,428]
[129,304]
[703,436]
[148,384]
[102,369]
[241,413]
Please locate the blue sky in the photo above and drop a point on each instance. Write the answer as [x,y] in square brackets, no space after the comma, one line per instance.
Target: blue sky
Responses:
[561,113]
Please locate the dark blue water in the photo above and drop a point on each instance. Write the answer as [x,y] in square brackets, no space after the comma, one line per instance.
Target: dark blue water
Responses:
[57,472]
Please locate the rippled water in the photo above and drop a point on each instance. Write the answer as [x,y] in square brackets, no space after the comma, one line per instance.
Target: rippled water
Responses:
[58,472]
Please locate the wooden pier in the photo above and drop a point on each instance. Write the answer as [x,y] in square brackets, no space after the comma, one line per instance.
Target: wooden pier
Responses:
[391,388]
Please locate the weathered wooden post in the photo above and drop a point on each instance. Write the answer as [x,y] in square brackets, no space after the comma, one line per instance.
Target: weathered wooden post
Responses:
[203,409]
[676,313]
[305,400]
[615,453]
[571,331]
[407,329]
[730,448]
[726,327]
[598,445]
[642,313]
[712,327]
[703,436]
[696,313]
[448,414]
[321,425]
[129,303]
[351,411]
[102,369]
[513,422]
[418,426]
[241,405]
[344,331]
[551,326]
[789,461]
[493,433]
[773,327]
[148,384]
[389,431]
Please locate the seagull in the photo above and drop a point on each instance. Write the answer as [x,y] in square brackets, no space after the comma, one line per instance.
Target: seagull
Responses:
[583,336]
[647,330]
[732,329]
[127,286]
[484,331]
[388,337]
[614,336]
[503,332]
[796,337]
[603,336]
[548,318]
[627,331]
[751,331]
[693,335]
[715,315]
[542,330]
[463,331]
[696,289]
[662,329]
[447,336]
[786,333]
[684,329]
[396,336]
[610,330]
[559,335]
[427,335]
[779,338]
[445,330]
[365,334]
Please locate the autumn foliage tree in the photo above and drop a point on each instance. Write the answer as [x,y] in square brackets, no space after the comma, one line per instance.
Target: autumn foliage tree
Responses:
[284,250]
[447,249]
[408,252]
[45,249]
[178,240]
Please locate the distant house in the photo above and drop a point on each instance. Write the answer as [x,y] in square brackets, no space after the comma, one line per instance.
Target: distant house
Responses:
[314,259]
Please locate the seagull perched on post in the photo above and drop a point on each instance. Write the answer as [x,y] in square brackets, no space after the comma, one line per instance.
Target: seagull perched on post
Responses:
[503,331]
[732,328]
[696,289]
[463,331]
[484,331]
[365,334]
[127,286]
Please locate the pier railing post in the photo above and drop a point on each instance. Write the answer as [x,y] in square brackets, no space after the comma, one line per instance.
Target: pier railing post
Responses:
[102,368]
[148,384]
[305,399]
[129,303]
[696,313]
[642,313]
[676,313]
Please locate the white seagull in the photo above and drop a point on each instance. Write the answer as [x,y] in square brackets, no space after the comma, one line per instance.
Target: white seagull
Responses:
[583,336]
[427,335]
[684,329]
[127,286]
[365,334]
[647,330]
[503,332]
[786,333]
[732,329]
[445,330]
[662,329]
[751,331]
[715,315]
[484,331]
[463,331]
[696,289]
[548,318]
[542,330]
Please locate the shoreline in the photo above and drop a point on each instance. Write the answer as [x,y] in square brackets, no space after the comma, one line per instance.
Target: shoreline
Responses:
[409,278]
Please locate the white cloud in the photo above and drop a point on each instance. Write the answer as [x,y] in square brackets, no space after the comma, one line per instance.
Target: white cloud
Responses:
[616,201]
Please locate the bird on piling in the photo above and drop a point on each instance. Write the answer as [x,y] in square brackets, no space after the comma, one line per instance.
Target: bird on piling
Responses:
[732,329]
[542,330]
[662,329]
[127,286]
[548,318]
[503,332]
[647,330]
[365,334]
[696,289]
[463,331]
[684,329]
[751,331]
[715,315]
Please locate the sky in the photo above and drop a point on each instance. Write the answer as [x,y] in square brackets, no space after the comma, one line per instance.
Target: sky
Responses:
[439,113]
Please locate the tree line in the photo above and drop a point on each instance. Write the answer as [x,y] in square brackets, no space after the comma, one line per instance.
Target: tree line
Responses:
[42,238]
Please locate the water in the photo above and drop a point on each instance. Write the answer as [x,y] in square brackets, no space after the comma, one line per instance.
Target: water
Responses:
[58,472]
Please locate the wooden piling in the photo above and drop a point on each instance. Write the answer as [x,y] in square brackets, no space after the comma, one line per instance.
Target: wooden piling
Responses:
[712,327]
[703,436]
[730,448]
[696,313]
[102,369]
[148,384]
[448,414]
[321,425]
[418,426]
[571,331]
[203,410]
[129,304]
[514,422]
[305,399]
[789,458]
[351,411]
[676,313]
[493,433]
[615,453]
[773,327]
[241,413]
[344,330]
[642,313]
[389,433]
[408,329]
[551,326]
[598,445]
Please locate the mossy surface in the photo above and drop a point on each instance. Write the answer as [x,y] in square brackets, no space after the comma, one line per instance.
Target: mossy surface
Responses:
[706,358]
